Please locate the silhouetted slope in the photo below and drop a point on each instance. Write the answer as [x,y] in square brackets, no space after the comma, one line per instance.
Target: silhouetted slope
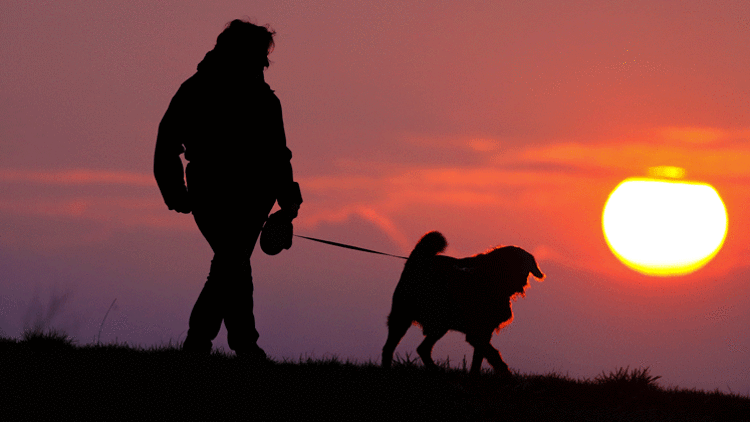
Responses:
[49,378]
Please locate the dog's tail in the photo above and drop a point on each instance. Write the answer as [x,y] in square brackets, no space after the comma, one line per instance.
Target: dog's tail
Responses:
[429,245]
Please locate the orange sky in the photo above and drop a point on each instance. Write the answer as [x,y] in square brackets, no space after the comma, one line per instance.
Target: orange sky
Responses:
[494,123]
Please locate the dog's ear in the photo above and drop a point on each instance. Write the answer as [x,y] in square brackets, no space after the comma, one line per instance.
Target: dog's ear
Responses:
[537,273]
[534,268]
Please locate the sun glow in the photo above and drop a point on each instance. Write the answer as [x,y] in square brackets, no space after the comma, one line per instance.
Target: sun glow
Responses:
[664,227]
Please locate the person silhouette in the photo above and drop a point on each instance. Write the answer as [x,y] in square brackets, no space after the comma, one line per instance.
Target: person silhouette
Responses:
[227,121]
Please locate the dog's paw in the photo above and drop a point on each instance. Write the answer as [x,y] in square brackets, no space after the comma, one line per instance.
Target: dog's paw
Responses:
[504,374]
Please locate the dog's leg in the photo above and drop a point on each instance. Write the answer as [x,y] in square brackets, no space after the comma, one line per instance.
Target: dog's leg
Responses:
[496,360]
[483,349]
[476,361]
[396,331]
[424,350]
[478,342]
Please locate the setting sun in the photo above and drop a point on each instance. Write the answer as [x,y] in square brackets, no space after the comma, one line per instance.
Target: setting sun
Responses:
[664,227]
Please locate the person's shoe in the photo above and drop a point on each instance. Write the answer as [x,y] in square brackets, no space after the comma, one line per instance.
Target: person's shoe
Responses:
[252,354]
[197,347]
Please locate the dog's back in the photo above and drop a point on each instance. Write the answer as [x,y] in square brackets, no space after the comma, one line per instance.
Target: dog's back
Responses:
[418,267]
[419,285]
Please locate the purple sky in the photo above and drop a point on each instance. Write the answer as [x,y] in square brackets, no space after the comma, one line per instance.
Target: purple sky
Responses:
[493,122]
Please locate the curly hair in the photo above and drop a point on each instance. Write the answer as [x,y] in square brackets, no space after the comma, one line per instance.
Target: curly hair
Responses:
[242,37]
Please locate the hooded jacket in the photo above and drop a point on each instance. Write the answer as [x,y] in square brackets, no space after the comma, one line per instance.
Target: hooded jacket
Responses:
[228,123]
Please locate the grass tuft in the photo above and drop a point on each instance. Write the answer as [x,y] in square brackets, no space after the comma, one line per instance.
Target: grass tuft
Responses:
[626,378]
[50,339]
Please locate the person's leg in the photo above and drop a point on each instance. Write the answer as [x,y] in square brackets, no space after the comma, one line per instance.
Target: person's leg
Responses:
[206,316]
[230,217]
[242,336]
[209,210]
[228,293]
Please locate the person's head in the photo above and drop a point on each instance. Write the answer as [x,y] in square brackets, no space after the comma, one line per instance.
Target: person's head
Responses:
[242,38]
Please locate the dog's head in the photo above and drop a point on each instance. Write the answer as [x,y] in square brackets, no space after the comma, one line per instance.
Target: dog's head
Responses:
[513,266]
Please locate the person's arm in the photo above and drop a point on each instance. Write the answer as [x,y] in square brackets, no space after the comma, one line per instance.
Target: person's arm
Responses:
[289,196]
[168,170]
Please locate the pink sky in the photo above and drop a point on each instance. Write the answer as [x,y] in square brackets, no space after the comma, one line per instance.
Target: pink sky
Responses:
[507,123]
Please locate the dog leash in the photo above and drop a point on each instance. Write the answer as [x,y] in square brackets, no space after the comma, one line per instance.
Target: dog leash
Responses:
[343,245]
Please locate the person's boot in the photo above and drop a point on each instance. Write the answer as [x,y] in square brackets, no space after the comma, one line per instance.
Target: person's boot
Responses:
[192,345]
[253,354]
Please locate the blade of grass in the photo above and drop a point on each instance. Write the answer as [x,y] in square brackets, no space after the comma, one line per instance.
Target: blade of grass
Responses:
[99,337]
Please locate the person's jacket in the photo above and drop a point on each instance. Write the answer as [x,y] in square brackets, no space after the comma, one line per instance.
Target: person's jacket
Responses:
[228,123]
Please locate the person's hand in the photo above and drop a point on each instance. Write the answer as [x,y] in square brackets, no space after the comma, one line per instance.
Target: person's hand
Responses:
[292,210]
[183,209]
[290,200]
[181,204]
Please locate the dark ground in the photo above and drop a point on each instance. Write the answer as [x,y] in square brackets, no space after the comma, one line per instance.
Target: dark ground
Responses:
[45,377]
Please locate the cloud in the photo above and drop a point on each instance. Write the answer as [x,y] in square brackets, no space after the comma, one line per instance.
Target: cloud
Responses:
[484,145]
[637,157]
[476,207]
[115,198]
[406,188]
[340,215]
[69,220]
[468,143]
[693,135]
[546,196]
[77,177]
[703,135]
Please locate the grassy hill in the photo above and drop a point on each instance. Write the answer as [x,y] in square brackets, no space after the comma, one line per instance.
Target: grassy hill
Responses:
[46,376]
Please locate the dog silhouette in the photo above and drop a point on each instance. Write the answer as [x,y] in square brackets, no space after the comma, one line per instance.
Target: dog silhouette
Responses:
[471,295]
